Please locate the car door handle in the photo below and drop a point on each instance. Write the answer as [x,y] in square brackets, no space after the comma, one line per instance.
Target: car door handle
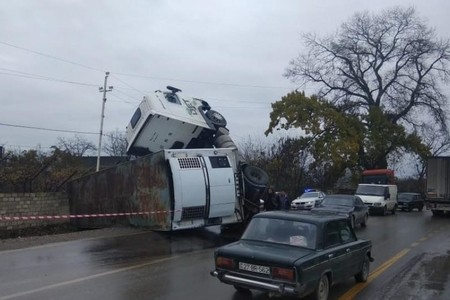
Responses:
[347,250]
[331,255]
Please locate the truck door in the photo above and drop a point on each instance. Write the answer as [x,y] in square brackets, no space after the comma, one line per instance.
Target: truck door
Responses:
[204,187]
[221,186]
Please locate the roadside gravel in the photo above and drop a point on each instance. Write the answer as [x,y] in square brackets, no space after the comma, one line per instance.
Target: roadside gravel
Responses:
[39,240]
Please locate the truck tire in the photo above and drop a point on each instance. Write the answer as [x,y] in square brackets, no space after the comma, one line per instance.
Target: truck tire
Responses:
[255,176]
[216,118]
[394,209]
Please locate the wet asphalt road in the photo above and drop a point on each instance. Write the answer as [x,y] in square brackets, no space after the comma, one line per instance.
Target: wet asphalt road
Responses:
[411,251]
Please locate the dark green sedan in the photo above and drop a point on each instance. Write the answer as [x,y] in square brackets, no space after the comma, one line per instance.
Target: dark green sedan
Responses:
[292,253]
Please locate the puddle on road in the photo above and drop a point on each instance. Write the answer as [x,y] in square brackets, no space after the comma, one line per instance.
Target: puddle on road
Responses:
[425,276]
[129,249]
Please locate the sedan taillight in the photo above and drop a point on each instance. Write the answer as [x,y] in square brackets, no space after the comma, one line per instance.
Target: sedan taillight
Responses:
[224,262]
[283,273]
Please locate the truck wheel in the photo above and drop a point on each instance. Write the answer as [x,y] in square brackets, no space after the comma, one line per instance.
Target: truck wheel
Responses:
[216,118]
[364,273]
[394,209]
[322,289]
[385,210]
[420,208]
[255,175]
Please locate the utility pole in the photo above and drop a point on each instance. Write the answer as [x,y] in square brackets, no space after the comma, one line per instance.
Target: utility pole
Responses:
[102,116]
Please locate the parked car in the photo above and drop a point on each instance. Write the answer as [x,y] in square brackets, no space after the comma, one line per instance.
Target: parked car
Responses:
[409,201]
[349,205]
[308,200]
[293,253]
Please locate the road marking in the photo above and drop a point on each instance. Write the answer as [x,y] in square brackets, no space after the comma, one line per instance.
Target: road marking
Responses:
[52,286]
[415,244]
[58,243]
[350,294]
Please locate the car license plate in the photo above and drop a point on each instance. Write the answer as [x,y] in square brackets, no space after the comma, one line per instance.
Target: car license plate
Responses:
[254,268]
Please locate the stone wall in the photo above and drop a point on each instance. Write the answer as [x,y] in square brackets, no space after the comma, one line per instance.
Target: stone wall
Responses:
[32,204]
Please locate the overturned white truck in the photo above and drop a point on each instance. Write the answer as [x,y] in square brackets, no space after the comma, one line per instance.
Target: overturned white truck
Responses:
[187,172]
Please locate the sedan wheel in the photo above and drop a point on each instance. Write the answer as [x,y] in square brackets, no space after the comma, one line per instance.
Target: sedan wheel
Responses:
[364,273]
[323,288]
[366,218]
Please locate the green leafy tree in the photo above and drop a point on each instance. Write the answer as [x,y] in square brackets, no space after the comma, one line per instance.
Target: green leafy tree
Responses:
[332,137]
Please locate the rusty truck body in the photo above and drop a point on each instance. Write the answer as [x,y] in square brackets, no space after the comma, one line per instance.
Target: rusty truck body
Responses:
[186,172]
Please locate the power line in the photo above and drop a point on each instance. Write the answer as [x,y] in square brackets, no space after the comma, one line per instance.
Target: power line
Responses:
[132,87]
[41,77]
[142,76]
[47,129]
[204,82]
[51,56]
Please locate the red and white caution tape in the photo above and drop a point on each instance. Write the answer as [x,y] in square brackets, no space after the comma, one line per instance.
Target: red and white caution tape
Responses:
[56,217]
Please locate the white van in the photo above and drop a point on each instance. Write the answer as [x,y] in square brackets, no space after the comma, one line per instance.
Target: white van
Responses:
[380,198]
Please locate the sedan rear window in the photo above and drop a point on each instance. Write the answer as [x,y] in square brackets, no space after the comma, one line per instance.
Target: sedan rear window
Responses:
[281,231]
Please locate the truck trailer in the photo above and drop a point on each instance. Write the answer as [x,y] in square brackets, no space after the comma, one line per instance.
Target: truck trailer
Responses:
[438,185]
[170,190]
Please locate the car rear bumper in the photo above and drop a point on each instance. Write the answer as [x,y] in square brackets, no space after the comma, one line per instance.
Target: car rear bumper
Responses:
[281,288]
[405,206]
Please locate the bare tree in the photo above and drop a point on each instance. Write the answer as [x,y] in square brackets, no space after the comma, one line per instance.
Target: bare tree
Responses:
[116,144]
[77,146]
[438,143]
[385,66]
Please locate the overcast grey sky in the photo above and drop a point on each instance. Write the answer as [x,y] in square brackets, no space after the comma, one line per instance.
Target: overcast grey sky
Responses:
[54,54]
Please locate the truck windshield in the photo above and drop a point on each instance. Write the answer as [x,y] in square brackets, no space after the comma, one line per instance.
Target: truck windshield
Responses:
[370,190]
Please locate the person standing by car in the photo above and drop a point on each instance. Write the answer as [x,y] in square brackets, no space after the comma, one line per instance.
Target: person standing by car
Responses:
[270,203]
[284,201]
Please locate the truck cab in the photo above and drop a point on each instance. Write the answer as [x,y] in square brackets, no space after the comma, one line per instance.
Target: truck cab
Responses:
[172,120]
[380,198]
